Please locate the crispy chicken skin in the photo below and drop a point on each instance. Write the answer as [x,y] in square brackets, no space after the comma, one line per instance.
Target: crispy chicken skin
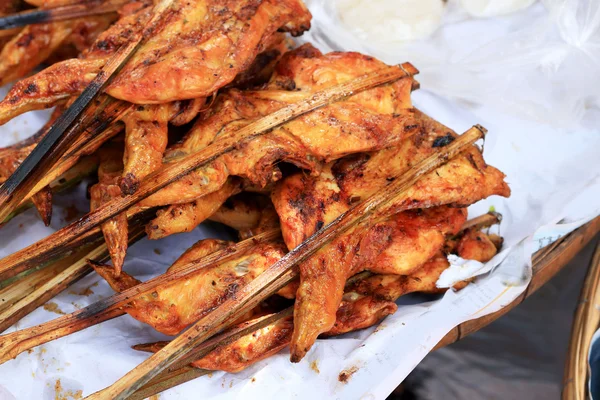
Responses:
[185,217]
[407,239]
[368,121]
[34,44]
[199,47]
[366,301]
[115,229]
[245,351]
[172,308]
[146,138]
[306,203]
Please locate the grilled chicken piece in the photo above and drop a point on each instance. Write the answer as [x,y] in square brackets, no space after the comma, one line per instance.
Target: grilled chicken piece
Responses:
[366,301]
[305,204]
[115,229]
[200,47]
[368,121]
[171,309]
[146,138]
[245,351]
[36,43]
[185,217]
[399,245]
[8,7]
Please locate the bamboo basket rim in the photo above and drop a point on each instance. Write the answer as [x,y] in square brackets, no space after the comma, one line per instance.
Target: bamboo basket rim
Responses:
[585,324]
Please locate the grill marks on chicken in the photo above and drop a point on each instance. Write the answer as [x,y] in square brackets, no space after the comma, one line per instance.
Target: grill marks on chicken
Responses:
[305,204]
[172,308]
[200,47]
[366,301]
[407,239]
[34,44]
[146,139]
[368,121]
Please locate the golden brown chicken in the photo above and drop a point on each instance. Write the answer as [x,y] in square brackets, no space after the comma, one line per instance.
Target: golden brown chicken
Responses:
[200,46]
[174,307]
[366,301]
[36,43]
[115,229]
[305,204]
[8,7]
[368,121]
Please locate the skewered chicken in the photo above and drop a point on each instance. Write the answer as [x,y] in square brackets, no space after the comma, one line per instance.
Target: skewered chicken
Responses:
[366,301]
[200,47]
[173,308]
[115,229]
[367,121]
[305,204]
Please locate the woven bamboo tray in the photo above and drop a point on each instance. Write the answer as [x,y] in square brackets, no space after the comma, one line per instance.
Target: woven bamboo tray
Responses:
[587,321]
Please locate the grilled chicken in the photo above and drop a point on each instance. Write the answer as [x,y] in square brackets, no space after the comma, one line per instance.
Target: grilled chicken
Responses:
[115,229]
[368,121]
[366,301]
[171,309]
[199,47]
[35,44]
[305,204]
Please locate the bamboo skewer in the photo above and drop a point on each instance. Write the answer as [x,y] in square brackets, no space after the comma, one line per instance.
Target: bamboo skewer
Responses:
[278,274]
[585,324]
[68,126]
[173,171]
[14,343]
[181,372]
[482,221]
[72,11]
[56,278]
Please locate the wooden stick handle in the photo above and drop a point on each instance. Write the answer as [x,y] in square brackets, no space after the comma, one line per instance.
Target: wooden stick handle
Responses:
[249,294]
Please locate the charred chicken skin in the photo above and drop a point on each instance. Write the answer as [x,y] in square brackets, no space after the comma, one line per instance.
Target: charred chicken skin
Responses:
[366,301]
[368,121]
[305,204]
[199,47]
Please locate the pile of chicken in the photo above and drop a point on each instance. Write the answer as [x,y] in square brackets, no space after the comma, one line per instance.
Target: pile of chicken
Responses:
[213,67]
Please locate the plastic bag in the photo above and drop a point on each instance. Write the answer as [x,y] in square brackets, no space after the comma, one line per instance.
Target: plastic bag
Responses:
[546,70]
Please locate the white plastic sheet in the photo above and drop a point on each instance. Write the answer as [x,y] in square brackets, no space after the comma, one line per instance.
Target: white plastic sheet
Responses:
[552,167]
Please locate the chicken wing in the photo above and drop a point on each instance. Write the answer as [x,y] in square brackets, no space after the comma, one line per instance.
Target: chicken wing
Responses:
[366,301]
[305,204]
[34,44]
[172,308]
[368,121]
[200,47]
